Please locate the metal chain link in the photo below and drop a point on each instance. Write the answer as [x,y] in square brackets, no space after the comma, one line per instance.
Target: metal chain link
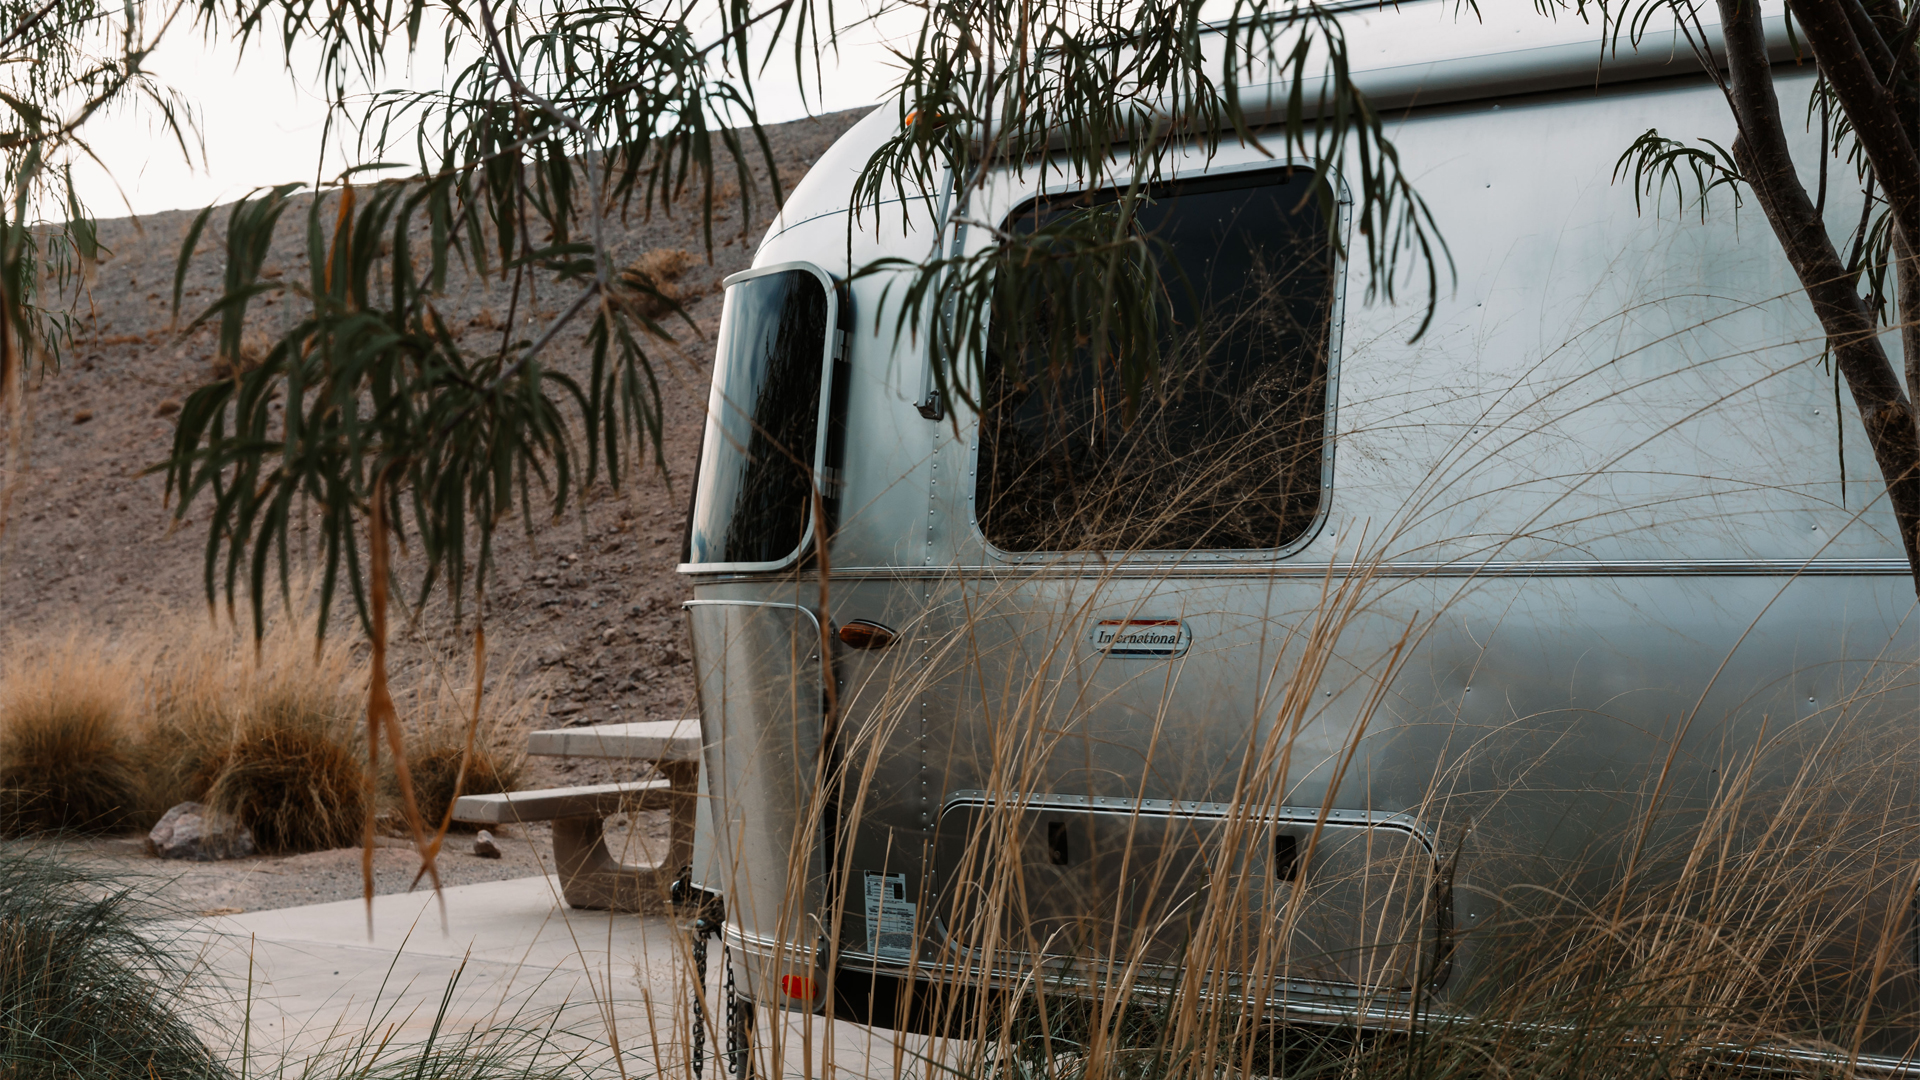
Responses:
[739,1040]
[710,921]
[700,995]
[739,1044]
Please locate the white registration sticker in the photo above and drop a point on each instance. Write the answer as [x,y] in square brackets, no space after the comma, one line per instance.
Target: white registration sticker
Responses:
[889,915]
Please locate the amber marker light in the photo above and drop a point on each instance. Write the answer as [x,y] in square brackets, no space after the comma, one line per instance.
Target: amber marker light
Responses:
[861,634]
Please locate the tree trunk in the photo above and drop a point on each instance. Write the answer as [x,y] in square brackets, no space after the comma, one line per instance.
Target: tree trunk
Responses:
[1763,154]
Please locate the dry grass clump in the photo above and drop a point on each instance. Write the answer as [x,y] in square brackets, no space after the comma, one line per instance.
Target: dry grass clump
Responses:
[66,737]
[652,281]
[189,725]
[438,780]
[493,758]
[294,780]
[275,737]
[99,734]
[267,736]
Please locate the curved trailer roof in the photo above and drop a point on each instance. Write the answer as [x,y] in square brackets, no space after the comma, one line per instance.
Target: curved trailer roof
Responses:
[1423,54]
[1413,54]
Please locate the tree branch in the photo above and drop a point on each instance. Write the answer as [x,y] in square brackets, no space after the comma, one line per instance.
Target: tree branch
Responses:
[1767,160]
[1872,42]
[1869,105]
[1907,277]
[28,23]
[1903,45]
[1897,31]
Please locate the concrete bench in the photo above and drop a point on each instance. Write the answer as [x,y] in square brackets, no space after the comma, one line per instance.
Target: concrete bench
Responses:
[590,875]
[551,804]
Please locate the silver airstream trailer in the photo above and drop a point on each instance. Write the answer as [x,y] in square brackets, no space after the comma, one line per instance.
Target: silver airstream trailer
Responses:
[1341,651]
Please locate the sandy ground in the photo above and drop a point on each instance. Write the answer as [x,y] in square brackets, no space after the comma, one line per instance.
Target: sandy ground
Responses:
[583,612]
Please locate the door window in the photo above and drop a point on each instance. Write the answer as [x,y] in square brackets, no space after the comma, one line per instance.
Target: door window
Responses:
[764,447]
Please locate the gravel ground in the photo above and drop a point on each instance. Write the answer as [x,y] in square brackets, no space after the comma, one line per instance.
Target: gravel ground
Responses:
[267,881]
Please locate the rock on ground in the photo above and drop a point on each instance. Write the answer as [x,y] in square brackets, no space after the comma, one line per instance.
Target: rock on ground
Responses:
[191,831]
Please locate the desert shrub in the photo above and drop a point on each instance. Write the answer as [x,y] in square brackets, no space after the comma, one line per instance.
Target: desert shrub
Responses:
[441,704]
[84,992]
[100,734]
[269,735]
[437,780]
[66,737]
[652,281]
[298,786]
[190,722]
[293,771]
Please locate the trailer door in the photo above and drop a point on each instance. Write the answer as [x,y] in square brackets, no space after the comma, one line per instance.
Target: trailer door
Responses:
[763,502]
[761,713]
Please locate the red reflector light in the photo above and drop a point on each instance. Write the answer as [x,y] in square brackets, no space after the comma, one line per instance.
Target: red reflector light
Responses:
[798,987]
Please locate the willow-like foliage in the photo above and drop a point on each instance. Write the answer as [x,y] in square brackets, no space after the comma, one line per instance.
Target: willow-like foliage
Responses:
[62,62]
[1095,96]
[370,420]
[571,112]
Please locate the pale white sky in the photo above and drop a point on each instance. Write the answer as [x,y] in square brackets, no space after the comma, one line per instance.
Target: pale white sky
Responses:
[263,125]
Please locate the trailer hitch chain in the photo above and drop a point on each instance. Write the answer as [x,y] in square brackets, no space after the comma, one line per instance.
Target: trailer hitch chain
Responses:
[709,919]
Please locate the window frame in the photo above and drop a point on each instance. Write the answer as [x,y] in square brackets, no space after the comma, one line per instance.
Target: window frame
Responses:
[822,473]
[1336,321]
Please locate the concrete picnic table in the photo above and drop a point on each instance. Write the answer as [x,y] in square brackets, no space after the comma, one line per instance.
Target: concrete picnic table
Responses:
[590,875]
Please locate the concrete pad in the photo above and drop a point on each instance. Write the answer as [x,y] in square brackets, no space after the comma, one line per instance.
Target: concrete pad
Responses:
[511,956]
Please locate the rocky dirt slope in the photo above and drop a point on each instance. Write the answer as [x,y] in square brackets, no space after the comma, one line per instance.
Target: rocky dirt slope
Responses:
[585,610]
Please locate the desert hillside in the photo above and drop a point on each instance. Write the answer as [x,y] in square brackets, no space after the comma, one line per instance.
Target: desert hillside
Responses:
[585,609]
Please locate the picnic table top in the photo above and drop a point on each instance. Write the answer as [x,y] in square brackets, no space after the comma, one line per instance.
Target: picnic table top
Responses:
[646,740]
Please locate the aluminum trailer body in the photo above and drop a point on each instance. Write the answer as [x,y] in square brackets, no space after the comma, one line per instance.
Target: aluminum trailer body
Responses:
[1574,552]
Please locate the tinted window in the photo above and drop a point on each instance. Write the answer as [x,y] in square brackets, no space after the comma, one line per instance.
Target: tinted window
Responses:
[1224,450]
[753,495]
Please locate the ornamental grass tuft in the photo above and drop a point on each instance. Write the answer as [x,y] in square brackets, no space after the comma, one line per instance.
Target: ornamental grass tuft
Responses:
[67,727]
[87,990]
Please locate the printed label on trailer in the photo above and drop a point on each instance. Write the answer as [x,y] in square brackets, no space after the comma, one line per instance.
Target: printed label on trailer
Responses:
[889,915]
[1140,637]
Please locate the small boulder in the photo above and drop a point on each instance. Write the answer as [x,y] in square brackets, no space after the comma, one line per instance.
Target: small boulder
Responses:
[484,846]
[191,831]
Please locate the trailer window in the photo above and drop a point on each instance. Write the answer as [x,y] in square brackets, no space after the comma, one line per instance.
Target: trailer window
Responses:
[752,497]
[1224,449]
